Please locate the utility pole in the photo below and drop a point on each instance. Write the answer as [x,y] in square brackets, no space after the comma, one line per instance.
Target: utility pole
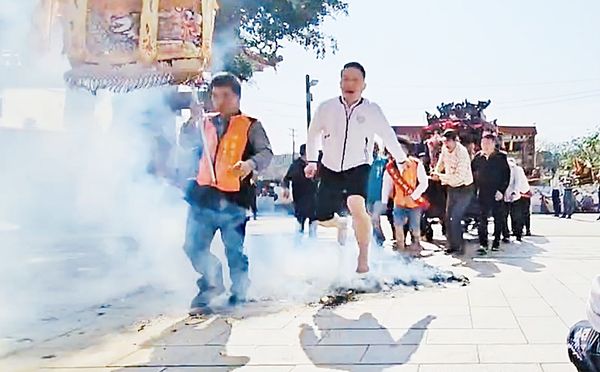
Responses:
[309,84]
[293,135]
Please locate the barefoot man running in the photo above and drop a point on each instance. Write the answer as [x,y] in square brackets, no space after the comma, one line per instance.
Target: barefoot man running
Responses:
[347,126]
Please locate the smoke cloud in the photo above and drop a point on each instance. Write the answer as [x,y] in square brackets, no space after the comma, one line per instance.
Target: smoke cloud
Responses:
[83,222]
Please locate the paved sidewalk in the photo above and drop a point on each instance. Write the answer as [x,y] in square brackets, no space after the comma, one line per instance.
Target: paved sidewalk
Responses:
[514,317]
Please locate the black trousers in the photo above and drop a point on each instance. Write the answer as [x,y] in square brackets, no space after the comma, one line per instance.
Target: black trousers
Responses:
[508,212]
[496,210]
[518,215]
[556,202]
[305,208]
[527,214]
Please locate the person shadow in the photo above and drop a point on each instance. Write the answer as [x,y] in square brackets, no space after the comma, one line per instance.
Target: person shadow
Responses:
[195,344]
[365,331]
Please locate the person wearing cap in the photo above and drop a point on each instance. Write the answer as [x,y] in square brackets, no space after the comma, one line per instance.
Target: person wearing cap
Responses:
[584,337]
[304,193]
[346,126]
[407,192]
[492,177]
[453,169]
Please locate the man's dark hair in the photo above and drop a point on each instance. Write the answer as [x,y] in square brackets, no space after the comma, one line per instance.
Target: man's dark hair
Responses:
[357,66]
[226,79]
[302,150]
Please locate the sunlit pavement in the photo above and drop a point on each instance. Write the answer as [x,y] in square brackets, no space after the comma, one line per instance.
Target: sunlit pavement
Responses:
[514,316]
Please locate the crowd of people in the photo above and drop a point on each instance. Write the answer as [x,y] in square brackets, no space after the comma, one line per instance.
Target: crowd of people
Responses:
[565,196]
[350,174]
[489,179]
[340,174]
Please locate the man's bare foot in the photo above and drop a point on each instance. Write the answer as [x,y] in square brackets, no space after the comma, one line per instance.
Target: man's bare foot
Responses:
[363,264]
[362,269]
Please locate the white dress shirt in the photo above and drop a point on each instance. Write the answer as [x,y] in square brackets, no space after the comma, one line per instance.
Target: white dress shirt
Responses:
[456,166]
[518,186]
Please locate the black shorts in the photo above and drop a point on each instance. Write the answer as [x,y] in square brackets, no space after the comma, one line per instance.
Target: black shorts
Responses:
[336,187]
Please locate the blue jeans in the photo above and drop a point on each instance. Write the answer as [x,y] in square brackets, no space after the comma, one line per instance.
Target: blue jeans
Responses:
[412,216]
[202,225]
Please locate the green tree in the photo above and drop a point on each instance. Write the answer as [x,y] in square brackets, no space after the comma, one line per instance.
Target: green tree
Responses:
[249,33]
[584,149]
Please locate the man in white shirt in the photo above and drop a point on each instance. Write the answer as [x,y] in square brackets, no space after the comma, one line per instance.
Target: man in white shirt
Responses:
[408,199]
[454,170]
[347,126]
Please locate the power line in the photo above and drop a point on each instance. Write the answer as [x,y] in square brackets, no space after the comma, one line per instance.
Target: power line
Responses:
[568,95]
[493,85]
[551,101]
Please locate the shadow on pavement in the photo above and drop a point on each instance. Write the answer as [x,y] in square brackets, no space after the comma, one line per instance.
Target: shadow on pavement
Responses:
[518,254]
[336,330]
[194,345]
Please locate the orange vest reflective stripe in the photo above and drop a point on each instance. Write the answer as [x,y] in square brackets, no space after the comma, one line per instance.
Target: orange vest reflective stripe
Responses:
[410,176]
[225,154]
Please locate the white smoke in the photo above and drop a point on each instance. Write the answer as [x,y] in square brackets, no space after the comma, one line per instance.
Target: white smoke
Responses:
[83,222]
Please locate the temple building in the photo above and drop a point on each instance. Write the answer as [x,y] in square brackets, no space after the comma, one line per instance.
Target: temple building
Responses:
[518,141]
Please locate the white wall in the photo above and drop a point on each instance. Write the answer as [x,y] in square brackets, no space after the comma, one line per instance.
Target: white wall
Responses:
[42,108]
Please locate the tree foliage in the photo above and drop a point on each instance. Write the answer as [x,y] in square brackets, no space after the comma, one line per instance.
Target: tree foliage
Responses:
[249,33]
[585,148]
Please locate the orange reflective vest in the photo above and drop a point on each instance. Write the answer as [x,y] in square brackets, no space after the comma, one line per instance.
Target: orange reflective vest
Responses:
[224,154]
[402,198]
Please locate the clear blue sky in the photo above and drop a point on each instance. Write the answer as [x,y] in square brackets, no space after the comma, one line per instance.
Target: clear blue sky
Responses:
[537,60]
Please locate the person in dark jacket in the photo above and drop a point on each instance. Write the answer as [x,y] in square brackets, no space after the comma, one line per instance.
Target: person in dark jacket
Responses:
[304,193]
[491,173]
[230,146]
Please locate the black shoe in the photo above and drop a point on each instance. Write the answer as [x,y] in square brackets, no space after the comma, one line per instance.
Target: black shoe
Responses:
[235,300]
[505,240]
[528,233]
[200,310]
[496,246]
[483,248]
[519,239]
